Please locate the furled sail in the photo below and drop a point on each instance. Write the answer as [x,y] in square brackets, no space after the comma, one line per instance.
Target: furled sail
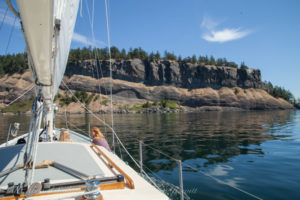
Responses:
[48,28]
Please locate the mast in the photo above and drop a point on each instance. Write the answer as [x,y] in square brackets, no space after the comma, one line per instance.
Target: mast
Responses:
[47,26]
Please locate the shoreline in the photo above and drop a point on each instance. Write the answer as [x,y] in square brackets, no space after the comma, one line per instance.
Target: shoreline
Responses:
[159,111]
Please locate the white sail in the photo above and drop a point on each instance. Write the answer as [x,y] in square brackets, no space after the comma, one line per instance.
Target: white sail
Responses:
[48,27]
[67,10]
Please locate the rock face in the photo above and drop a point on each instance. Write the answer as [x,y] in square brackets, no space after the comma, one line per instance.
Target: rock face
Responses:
[156,73]
[246,99]
[11,87]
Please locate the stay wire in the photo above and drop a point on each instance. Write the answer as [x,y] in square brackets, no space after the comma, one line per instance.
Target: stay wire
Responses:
[113,131]
[27,90]
[155,149]
[73,125]
[10,35]
[110,67]
[177,190]
[222,182]
[91,22]
[3,19]
[206,174]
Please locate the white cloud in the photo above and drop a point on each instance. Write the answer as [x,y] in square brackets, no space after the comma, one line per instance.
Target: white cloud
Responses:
[211,34]
[208,23]
[225,35]
[81,39]
[86,41]
[9,18]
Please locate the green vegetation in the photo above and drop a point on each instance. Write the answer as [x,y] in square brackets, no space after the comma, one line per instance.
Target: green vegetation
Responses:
[102,54]
[82,96]
[96,97]
[168,104]
[136,107]
[277,92]
[105,101]
[15,63]
[159,104]
[243,66]
[236,91]
[23,106]
[147,105]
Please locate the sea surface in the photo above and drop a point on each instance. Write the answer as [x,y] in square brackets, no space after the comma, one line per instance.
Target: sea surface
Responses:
[221,152]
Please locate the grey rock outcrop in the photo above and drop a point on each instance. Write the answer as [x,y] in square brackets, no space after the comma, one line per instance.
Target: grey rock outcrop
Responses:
[179,74]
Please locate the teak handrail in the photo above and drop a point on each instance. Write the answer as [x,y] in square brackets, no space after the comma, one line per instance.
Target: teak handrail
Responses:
[129,181]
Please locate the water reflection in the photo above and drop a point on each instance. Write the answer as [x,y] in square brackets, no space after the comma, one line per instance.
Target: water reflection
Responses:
[213,137]
[239,148]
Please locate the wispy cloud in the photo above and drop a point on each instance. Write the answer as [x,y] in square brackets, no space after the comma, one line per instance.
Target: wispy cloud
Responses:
[9,18]
[211,34]
[208,23]
[86,41]
[225,35]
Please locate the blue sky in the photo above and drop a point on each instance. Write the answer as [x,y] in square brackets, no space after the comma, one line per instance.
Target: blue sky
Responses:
[265,34]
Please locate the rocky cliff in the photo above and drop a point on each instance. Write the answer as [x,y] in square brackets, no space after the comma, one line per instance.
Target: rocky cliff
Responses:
[245,99]
[178,74]
[200,87]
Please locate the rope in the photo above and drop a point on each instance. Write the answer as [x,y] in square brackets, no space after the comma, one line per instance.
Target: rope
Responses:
[110,69]
[80,8]
[11,32]
[3,18]
[171,158]
[113,131]
[82,131]
[91,21]
[20,95]
[104,123]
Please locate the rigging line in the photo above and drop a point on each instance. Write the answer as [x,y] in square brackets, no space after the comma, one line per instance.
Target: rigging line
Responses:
[155,149]
[35,141]
[11,32]
[91,22]
[177,190]
[93,14]
[3,18]
[81,8]
[214,178]
[104,123]
[28,90]
[110,67]
[222,182]
[120,152]
[82,131]
[113,131]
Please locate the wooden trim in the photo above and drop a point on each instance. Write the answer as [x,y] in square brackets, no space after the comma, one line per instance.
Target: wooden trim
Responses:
[112,186]
[129,181]
[107,186]
[99,198]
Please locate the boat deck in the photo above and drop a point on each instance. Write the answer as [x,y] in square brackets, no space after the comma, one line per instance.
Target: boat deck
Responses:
[80,156]
[60,152]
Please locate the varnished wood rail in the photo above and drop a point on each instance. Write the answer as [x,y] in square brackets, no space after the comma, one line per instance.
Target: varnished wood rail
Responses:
[129,181]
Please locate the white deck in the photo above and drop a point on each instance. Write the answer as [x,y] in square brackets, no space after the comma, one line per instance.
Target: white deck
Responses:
[80,156]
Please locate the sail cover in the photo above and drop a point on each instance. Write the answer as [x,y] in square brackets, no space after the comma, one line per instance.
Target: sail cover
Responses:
[48,28]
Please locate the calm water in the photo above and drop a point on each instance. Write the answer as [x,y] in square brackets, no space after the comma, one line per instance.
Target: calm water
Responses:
[256,151]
